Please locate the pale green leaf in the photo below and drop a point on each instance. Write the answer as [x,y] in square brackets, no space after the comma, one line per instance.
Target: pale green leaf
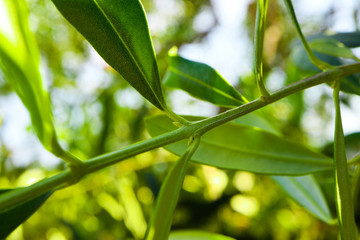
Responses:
[118,30]
[344,198]
[306,191]
[160,223]
[332,47]
[197,235]
[255,119]
[236,147]
[19,62]
[201,81]
[261,12]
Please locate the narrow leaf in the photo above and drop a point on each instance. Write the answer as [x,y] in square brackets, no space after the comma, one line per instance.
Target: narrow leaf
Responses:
[306,191]
[19,62]
[344,201]
[317,62]
[201,81]
[118,30]
[332,47]
[246,148]
[261,12]
[197,235]
[160,223]
[11,218]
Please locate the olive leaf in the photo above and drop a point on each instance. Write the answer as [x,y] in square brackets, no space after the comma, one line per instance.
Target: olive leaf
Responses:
[201,81]
[161,219]
[306,191]
[11,218]
[119,32]
[236,147]
[19,63]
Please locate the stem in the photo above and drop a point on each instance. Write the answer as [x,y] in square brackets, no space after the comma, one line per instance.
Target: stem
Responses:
[68,177]
[344,201]
[317,62]
[261,11]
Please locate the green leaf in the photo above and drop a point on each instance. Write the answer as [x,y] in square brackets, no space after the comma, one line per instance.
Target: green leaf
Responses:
[231,146]
[161,219]
[344,198]
[303,189]
[11,218]
[306,191]
[118,31]
[19,62]
[350,84]
[201,81]
[332,47]
[349,39]
[352,143]
[261,12]
[254,119]
[197,235]
[313,58]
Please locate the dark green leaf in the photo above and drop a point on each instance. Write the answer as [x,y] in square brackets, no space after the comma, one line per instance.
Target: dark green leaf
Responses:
[160,223]
[349,39]
[201,81]
[352,143]
[197,235]
[306,191]
[19,62]
[231,146]
[11,218]
[350,84]
[119,32]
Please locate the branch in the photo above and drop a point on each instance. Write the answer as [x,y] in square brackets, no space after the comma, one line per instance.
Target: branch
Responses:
[67,177]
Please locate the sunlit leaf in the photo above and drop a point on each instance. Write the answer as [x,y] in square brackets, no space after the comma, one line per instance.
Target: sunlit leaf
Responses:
[161,219]
[201,81]
[197,235]
[344,198]
[306,191]
[11,218]
[118,30]
[231,146]
[261,12]
[134,220]
[331,47]
[19,62]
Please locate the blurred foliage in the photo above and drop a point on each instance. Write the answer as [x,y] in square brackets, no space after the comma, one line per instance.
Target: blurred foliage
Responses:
[97,112]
